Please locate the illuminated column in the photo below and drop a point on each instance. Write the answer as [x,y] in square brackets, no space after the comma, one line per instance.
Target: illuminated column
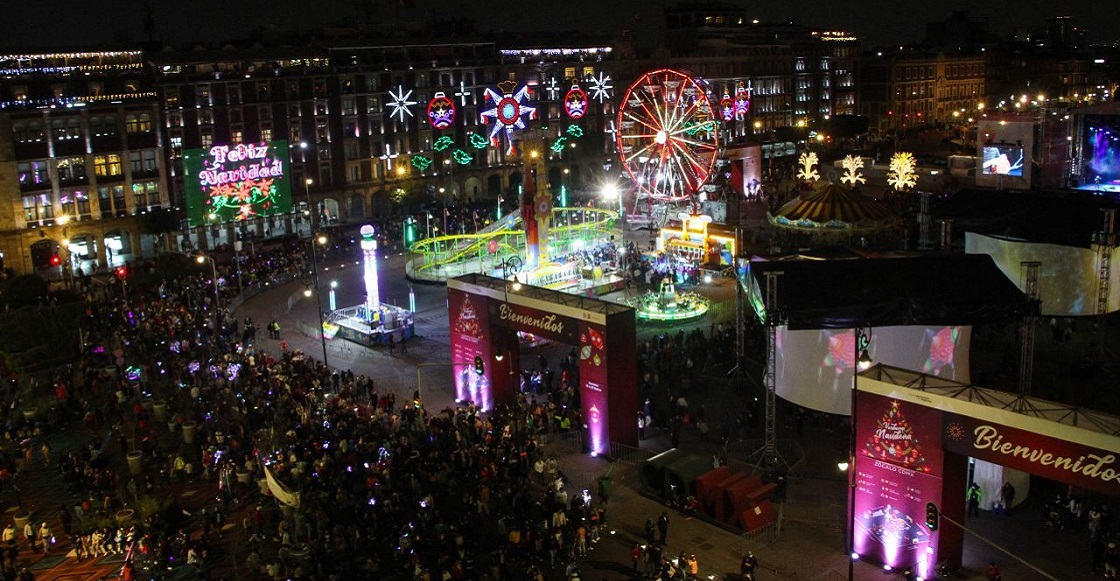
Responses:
[369,273]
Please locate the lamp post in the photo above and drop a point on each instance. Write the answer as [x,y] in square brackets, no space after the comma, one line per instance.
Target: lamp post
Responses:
[203,259]
[862,359]
[315,268]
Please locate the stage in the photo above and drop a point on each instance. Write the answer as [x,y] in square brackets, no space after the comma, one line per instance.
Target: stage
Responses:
[1110,188]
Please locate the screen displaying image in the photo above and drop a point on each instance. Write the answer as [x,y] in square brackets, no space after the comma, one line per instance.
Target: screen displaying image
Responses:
[236,181]
[1069,281]
[814,367]
[1003,159]
[1101,150]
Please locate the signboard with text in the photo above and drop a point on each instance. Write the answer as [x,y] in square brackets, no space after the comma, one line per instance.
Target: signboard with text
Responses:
[470,341]
[236,181]
[898,472]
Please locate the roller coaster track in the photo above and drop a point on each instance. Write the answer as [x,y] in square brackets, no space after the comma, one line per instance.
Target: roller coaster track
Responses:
[437,253]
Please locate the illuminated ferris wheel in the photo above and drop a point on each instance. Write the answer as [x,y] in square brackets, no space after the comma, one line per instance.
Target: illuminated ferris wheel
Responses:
[667,135]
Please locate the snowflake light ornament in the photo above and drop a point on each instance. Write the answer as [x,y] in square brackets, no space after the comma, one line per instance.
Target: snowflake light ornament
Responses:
[401,103]
[901,174]
[851,165]
[808,170]
[509,107]
[601,87]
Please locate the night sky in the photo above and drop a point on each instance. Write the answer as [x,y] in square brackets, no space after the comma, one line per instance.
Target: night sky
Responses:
[86,23]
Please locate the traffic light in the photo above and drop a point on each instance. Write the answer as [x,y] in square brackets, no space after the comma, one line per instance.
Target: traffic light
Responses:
[121,272]
[479,366]
[55,260]
[932,516]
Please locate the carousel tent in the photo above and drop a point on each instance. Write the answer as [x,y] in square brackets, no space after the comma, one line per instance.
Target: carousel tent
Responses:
[833,207]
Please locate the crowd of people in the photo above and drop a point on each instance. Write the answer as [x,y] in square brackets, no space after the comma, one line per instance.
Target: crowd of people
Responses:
[334,479]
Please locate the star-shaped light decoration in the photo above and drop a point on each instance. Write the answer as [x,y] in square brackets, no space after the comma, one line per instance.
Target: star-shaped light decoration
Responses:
[508,110]
[401,103]
[601,87]
[552,89]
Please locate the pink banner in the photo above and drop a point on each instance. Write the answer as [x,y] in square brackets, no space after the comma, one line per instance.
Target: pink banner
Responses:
[593,387]
[470,339]
[897,473]
[1077,464]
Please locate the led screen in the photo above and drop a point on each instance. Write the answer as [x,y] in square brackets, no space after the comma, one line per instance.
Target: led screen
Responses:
[1003,159]
[1101,150]
[236,182]
[1004,149]
[1068,282]
[814,367]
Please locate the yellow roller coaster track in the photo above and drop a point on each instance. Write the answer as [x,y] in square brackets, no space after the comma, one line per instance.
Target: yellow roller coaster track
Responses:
[441,251]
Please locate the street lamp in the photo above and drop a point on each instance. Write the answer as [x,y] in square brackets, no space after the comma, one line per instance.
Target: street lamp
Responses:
[611,192]
[315,268]
[862,359]
[202,259]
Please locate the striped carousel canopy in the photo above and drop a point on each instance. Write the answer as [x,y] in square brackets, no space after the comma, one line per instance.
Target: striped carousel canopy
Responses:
[832,207]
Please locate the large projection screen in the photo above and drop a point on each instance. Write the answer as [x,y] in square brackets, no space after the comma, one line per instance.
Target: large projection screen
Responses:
[1068,279]
[1004,149]
[236,181]
[814,367]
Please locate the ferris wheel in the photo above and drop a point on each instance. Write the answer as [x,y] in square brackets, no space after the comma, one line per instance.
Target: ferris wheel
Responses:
[667,135]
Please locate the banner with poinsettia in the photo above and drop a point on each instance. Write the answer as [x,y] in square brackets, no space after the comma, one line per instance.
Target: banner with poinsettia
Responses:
[470,339]
[898,471]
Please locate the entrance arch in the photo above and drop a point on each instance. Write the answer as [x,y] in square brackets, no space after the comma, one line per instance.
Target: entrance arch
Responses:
[118,248]
[515,182]
[474,188]
[914,434]
[82,251]
[485,316]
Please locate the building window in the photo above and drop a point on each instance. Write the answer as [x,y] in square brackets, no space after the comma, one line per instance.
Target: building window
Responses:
[46,206]
[263,90]
[206,140]
[234,94]
[118,201]
[32,172]
[349,106]
[265,113]
[29,132]
[105,165]
[149,156]
[203,96]
[66,202]
[81,203]
[72,169]
[104,202]
[236,135]
[174,119]
[266,134]
[154,199]
[139,196]
[134,166]
[30,211]
[569,73]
